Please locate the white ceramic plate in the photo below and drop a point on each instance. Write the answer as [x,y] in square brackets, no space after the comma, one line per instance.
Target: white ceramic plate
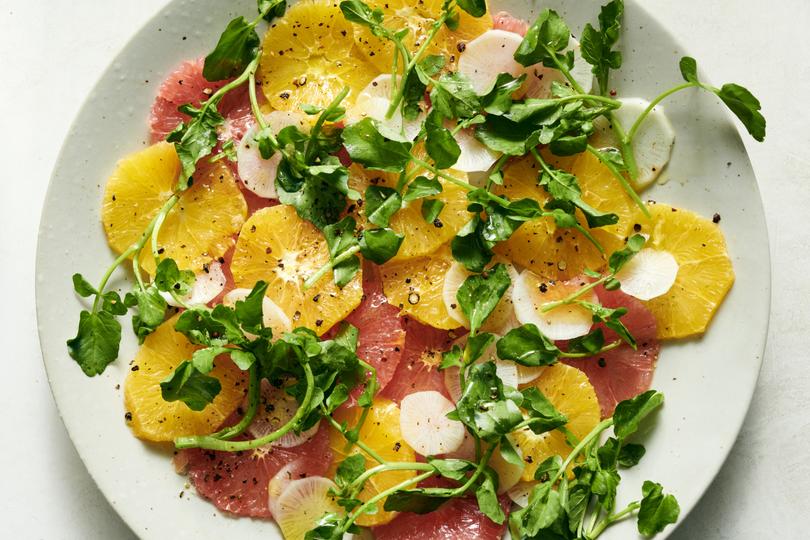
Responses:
[708,383]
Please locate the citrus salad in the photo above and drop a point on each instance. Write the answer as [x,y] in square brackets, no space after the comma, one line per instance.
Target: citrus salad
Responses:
[392,272]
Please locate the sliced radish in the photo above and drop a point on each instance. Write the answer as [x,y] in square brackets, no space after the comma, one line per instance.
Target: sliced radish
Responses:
[425,426]
[532,294]
[374,101]
[259,174]
[274,317]
[527,374]
[499,319]
[651,273]
[294,470]
[520,492]
[302,503]
[489,55]
[276,408]
[207,286]
[475,156]
[652,143]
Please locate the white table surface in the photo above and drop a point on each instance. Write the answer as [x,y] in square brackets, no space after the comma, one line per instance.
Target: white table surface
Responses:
[52,53]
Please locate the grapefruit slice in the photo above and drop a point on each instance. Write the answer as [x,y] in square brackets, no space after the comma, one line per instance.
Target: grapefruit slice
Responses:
[419,368]
[458,518]
[504,21]
[622,373]
[237,482]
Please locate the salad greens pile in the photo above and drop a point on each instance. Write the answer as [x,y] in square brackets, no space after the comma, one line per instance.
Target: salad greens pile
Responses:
[576,496]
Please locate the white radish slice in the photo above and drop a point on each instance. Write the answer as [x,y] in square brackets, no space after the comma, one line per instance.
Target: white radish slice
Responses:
[293,470]
[540,78]
[425,426]
[650,274]
[274,318]
[207,286]
[520,493]
[488,55]
[276,408]
[508,473]
[302,503]
[527,374]
[258,174]
[652,143]
[532,294]
[501,317]
[475,156]
[373,102]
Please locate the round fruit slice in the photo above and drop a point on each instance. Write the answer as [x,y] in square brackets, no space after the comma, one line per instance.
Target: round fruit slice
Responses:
[154,419]
[237,482]
[418,17]
[382,331]
[421,237]
[705,273]
[283,250]
[624,372]
[532,295]
[416,286]
[570,392]
[425,426]
[458,518]
[382,433]
[503,20]
[302,504]
[197,230]
[419,368]
[308,57]
[297,469]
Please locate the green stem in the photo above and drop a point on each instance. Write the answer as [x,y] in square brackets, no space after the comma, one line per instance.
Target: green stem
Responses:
[634,128]
[360,444]
[254,106]
[364,414]
[626,149]
[622,180]
[567,73]
[323,270]
[609,520]
[595,432]
[254,386]
[574,295]
[316,129]
[211,443]
[606,348]
[390,466]
[116,263]
[457,181]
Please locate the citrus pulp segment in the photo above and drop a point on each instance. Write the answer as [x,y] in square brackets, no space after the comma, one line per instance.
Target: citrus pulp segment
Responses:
[283,250]
[309,57]
[570,392]
[154,419]
[705,273]
[197,230]
[382,434]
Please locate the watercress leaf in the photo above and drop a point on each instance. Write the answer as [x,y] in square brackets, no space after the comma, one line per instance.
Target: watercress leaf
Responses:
[569,145]
[367,146]
[347,336]
[657,509]
[380,245]
[527,346]
[563,186]
[477,345]
[630,412]
[543,413]
[168,277]
[413,93]
[417,501]
[588,344]
[548,468]
[350,470]
[337,397]
[422,187]
[454,469]
[597,45]
[453,97]
[746,107]
[479,294]
[484,407]
[509,453]
[199,326]
[190,386]
[440,144]
[111,302]
[271,9]
[630,454]
[469,247]
[544,40]
[237,47]
[431,208]
[487,497]
[340,238]
[196,139]
[505,136]
[96,343]
[242,359]
[249,312]
[203,359]
[498,100]
[359,12]
[544,509]
[82,286]
[688,67]
[318,194]
[151,310]
[622,256]
[381,203]
[476,8]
